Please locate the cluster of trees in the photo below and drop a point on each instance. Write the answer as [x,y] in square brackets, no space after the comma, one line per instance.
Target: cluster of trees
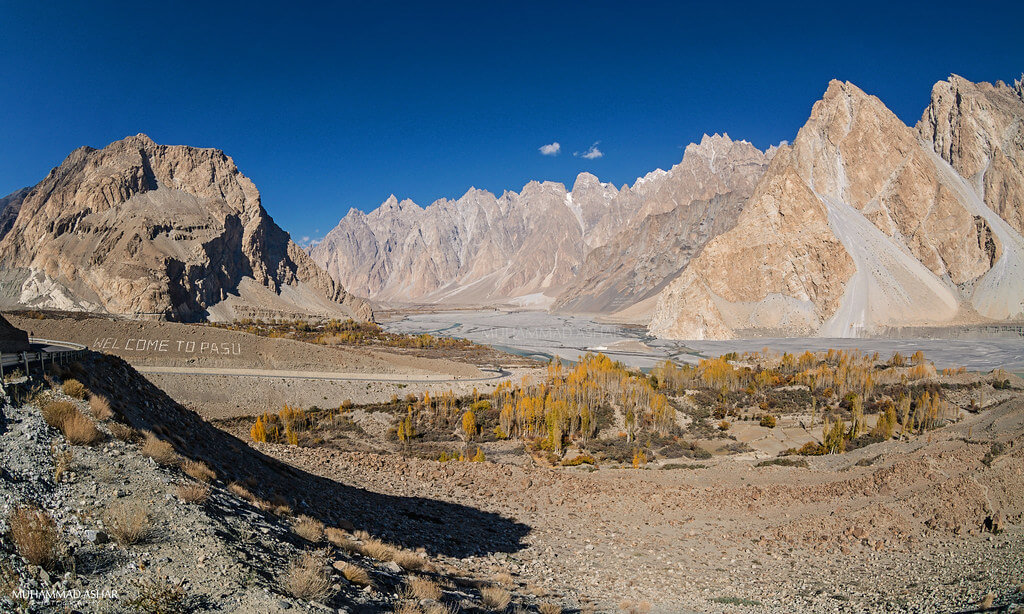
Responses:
[901,418]
[835,373]
[282,427]
[566,404]
[348,332]
[289,424]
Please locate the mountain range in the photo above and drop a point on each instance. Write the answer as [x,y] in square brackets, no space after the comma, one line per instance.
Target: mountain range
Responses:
[859,224]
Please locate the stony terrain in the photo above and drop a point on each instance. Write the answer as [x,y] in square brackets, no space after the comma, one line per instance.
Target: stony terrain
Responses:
[927,524]
[171,231]
[869,227]
[893,527]
[527,248]
[231,549]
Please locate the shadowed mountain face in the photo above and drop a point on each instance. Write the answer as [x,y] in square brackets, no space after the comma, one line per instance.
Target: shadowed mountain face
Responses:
[545,241]
[865,223]
[10,206]
[172,231]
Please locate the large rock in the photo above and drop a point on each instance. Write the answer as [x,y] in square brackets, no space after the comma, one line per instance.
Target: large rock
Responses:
[162,231]
[857,226]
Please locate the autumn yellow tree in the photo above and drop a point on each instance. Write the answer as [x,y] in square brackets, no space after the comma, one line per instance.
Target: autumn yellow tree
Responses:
[469,424]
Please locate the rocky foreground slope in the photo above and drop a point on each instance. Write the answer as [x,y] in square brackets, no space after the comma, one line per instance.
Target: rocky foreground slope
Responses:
[545,241]
[171,231]
[145,507]
[864,222]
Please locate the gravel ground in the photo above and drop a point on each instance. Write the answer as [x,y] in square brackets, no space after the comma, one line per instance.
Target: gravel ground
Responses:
[902,532]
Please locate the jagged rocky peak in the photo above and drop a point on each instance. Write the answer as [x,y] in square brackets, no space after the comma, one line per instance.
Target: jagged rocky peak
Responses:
[899,234]
[979,129]
[530,245]
[171,231]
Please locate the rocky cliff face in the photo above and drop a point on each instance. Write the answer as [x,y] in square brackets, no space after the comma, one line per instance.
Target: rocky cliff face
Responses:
[979,129]
[529,247]
[867,227]
[10,206]
[178,232]
[675,213]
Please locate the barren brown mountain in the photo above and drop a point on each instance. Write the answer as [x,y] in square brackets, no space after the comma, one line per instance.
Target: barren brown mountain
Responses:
[171,231]
[869,226]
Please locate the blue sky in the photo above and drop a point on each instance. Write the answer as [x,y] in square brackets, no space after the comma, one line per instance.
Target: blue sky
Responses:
[330,106]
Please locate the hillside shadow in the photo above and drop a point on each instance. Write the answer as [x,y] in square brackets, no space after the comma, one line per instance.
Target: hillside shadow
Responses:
[439,527]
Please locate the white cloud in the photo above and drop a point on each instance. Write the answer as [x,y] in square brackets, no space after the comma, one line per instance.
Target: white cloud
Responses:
[591,154]
[308,242]
[550,150]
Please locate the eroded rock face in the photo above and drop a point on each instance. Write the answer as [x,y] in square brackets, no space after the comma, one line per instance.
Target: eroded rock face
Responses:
[780,267]
[10,206]
[676,212]
[529,247]
[857,226]
[172,231]
[979,129]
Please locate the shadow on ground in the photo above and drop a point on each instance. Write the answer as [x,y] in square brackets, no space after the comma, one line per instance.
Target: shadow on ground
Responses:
[439,527]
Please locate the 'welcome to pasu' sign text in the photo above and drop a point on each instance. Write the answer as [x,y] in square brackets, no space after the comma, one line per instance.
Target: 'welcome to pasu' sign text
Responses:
[167,345]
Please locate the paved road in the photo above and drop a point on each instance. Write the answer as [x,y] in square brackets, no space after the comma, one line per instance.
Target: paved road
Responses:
[322,375]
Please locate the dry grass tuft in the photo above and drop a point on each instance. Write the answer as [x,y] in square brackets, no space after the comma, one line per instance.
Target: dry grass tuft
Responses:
[309,529]
[505,579]
[129,522]
[629,607]
[199,471]
[80,430]
[377,549]
[193,492]
[99,406]
[61,462]
[406,607]
[54,412]
[495,598]
[74,388]
[549,608]
[441,608]
[123,432]
[356,574]
[308,578]
[341,539]
[35,536]
[241,492]
[409,560]
[423,588]
[158,595]
[159,450]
